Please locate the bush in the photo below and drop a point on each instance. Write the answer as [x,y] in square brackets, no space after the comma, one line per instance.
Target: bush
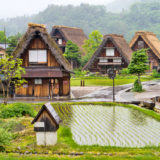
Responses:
[17,110]
[5,137]
[155,74]
[137,87]
[124,71]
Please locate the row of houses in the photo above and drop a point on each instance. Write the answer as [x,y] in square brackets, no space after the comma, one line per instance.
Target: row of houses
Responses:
[115,51]
[47,70]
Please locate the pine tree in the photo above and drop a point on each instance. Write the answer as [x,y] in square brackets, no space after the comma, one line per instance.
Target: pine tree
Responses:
[73,54]
[139,64]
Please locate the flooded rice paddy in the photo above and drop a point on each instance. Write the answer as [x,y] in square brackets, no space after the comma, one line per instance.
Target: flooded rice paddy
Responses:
[110,126]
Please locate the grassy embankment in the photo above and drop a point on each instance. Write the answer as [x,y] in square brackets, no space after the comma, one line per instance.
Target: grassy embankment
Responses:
[24,142]
[105,81]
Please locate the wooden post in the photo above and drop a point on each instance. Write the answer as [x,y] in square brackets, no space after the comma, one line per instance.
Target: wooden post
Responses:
[83,83]
[113,91]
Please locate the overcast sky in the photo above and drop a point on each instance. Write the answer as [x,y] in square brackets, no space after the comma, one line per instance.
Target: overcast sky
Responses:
[12,8]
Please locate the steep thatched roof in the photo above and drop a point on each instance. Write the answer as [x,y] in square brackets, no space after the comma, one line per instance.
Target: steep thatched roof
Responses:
[120,44]
[40,30]
[150,39]
[76,35]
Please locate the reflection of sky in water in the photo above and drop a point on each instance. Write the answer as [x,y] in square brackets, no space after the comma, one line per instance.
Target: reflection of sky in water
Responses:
[114,126]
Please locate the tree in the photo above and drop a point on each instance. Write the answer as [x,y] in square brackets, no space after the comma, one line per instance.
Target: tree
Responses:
[138,65]
[3,37]
[72,53]
[10,74]
[13,40]
[90,45]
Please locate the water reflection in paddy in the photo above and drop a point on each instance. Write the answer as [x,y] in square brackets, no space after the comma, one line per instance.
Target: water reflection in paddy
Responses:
[110,126]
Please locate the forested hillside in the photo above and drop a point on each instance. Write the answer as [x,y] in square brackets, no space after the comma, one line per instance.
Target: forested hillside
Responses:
[119,5]
[141,16]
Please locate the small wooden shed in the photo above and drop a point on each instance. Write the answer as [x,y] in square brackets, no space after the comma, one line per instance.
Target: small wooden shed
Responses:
[46,124]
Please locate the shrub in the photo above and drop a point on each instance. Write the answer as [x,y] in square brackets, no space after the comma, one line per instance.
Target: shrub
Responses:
[137,87]
[124,71]
[5,137]
[155,74]
[65,132]
[17,110]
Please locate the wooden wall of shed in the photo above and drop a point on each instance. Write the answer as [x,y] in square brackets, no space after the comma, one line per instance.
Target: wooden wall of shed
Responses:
[153,59]
[38,43]
[45,115]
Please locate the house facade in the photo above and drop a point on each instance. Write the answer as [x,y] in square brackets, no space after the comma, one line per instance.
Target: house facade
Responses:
[147,40]
[114,52]
[61,34]
[47,71]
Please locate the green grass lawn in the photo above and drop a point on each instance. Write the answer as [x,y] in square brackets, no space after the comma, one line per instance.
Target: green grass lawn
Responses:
[101,81]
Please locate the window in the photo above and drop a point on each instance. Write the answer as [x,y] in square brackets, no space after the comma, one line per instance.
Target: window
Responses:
[60,41]
[38,81]
[117,60]
[38,56]
[103,60]
[109,51]
[140,44]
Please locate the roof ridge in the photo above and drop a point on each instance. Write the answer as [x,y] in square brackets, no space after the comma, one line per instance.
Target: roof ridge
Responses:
[113,35]
[36,25]
[144,33]
[61,26]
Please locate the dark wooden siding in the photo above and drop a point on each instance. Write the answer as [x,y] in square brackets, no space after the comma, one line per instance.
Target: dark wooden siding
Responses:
[96,68]
[153,59]
[38,43]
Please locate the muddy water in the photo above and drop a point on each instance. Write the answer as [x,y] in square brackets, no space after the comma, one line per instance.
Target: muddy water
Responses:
[110,126]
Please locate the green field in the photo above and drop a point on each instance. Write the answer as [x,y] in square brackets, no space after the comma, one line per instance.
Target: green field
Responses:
[106,81]
[24,138]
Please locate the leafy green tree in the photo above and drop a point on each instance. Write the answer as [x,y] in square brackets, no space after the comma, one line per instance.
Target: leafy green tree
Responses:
[138,65]
[3,37]
[10,74]
[73,54]
[90,45]
[13,40]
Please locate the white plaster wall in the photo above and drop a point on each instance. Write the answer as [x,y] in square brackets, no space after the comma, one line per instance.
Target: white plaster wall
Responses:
[40,137]
[46,138]
[51,138]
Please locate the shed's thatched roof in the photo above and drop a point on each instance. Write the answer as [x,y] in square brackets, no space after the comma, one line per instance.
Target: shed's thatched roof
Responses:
[76,35]
[40,30]
[120,44]
[150,39]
